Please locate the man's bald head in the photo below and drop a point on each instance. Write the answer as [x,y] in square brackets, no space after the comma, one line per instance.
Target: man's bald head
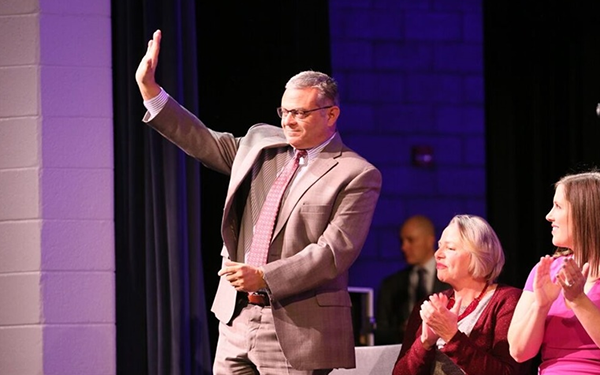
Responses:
[417,234]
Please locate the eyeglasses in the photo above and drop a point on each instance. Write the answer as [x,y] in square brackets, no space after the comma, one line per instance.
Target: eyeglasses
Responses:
[298,113]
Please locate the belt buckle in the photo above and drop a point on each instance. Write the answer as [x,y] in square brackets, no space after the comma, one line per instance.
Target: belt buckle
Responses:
[259,299]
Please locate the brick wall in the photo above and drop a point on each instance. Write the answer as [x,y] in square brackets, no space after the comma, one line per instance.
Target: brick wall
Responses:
[57,289]
[411,75]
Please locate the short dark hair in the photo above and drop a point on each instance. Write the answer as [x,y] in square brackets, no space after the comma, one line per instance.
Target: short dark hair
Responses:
[327,86]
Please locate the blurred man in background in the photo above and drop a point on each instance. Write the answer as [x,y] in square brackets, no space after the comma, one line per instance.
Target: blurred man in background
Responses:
[401,291]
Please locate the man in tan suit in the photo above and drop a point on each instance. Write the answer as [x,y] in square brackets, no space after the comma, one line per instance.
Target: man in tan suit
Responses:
[292,314]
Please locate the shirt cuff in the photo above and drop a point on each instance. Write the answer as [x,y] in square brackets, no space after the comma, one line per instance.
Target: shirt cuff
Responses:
[156,104]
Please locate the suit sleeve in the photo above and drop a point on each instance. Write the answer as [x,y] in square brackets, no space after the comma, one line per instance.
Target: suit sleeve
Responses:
[333,232]
[216,150]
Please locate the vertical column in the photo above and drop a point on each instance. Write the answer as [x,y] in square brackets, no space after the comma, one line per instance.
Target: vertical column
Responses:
[57,287]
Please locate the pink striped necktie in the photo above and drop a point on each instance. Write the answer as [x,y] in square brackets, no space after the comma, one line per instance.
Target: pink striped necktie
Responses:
[263,230]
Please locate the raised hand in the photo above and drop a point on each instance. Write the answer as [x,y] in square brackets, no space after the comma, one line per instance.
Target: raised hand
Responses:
[440,321]
[572,279]
[428,337]
[145,73]
[545,289]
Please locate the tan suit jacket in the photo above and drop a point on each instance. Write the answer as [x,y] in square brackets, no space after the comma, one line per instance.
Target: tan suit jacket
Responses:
[320,230]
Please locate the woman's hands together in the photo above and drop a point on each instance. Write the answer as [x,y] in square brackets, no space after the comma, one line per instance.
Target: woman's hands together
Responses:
[545,290]
[438,320]
[572,279]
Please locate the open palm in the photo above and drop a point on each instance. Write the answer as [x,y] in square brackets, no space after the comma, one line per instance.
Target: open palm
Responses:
[544,289]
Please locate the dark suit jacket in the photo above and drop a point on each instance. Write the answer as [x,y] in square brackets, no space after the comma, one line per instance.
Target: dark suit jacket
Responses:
[393,304]
[320,230]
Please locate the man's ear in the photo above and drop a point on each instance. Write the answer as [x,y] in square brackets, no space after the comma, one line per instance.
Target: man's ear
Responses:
[333,114]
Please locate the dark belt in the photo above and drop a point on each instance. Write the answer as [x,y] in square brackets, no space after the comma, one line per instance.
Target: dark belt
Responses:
[259,299]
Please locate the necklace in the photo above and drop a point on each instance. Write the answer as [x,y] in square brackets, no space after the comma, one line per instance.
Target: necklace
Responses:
[472,306]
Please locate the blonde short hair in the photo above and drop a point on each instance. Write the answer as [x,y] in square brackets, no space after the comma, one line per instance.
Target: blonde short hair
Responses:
[487,256]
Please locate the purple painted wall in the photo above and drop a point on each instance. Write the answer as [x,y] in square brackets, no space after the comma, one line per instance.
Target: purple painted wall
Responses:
[411,75]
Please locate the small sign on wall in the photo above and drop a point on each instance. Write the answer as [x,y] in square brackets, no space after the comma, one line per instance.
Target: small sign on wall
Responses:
[422,156]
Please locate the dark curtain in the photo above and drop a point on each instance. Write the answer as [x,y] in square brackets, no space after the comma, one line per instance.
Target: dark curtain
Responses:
[162,325]
[542,85]
[226,62]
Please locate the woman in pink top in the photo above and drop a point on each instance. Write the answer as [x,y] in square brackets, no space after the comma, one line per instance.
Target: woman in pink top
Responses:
[558,311]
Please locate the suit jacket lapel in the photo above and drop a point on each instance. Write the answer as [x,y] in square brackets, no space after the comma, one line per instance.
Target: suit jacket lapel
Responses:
[242,166]
[246,162]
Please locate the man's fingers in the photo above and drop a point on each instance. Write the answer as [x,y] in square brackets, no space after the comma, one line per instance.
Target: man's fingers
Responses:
[226,271]
[157,35]
[153,50]
[149,64]
[156,44]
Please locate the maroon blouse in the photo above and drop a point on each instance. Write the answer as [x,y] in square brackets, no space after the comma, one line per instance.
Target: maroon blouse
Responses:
[484,351]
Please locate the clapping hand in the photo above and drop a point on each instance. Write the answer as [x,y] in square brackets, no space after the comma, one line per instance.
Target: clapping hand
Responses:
[438,320]
[544,288]
[572,279]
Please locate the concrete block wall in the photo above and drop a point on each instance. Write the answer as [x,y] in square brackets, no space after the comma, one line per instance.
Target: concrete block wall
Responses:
[57,288]
[411,75]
